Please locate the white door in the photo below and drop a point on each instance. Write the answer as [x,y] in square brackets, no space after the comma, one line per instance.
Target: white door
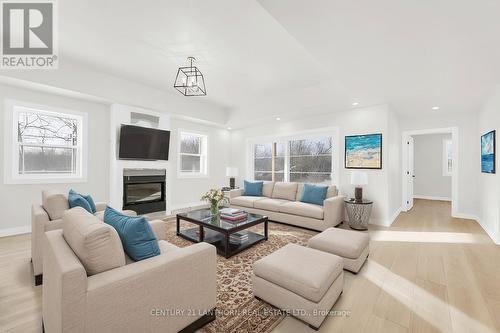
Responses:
[410,173]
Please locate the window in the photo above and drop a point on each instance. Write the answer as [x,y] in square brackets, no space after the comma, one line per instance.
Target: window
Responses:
[46,145]
[296,160]
[447,157]
[192,155]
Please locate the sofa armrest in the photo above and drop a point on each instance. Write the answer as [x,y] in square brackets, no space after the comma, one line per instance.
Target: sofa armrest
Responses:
[100,206]
[334,211]
[182,281]
[159,228]
[64,286]
[235,193]
[39,220]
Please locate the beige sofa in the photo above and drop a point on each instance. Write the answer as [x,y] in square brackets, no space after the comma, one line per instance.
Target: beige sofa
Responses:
[91,286]
[48,216]
[281,203]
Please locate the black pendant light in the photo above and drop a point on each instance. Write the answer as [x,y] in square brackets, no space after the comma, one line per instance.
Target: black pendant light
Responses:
[189,80]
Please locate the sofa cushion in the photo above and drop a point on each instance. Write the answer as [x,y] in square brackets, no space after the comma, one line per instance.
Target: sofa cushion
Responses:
[54,204]
[345,243]
[332,191]
[137,236]
[304,271]
[253,189]
[100,214]
[314,194]
[287,191]
[267,189]
[270,204]
[78,200]
[303,209]
[96,244]
[245,201]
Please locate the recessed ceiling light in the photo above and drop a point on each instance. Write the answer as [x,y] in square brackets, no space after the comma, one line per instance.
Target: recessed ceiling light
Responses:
[278,118]
[355,104]
[229,128]
[435,107]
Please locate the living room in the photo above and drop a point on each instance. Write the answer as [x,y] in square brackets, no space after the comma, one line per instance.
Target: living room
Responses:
[271,154]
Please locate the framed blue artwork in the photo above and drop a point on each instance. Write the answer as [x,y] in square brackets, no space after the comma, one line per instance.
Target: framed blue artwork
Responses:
[363,151]
[488,152]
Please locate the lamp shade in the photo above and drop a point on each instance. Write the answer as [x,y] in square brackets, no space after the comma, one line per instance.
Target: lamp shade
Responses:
[231,172]
[359,178]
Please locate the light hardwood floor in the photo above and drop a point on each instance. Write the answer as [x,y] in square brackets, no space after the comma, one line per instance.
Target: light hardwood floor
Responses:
[426,273]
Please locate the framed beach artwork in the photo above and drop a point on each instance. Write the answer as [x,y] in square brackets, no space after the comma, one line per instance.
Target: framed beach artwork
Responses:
[363,151]
[488,152]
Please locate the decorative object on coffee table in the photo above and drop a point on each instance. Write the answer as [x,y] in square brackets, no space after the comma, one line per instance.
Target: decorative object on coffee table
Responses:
[229,237]
[358,179]
[232,172]
[359,213]
[214,197]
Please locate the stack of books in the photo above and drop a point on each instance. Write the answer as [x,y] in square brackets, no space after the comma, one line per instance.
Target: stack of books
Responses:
[233,215]
[238,237]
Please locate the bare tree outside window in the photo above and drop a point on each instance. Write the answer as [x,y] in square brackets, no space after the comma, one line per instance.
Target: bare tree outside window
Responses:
[192,154]
[304,160]
[47,143]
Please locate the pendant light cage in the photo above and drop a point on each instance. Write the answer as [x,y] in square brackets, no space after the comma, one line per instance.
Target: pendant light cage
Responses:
[189,80]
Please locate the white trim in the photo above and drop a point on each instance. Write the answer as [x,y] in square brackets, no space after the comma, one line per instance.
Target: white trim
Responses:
[465,216]
[489,232]
[446,172]
[427,197]
[204,165]
[15,231]
[455,172]
[11,176]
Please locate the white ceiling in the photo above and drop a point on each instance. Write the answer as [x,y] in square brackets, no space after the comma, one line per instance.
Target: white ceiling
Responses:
[287,57]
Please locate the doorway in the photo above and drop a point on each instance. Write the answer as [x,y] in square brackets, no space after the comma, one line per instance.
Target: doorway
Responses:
[420,178]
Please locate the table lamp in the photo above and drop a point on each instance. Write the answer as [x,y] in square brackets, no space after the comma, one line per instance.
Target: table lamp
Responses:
[231,172]
[358,179]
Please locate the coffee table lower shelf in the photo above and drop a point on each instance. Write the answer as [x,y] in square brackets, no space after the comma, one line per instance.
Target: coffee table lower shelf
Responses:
[218,239]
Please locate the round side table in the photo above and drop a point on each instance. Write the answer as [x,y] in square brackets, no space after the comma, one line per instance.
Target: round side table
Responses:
[358,213]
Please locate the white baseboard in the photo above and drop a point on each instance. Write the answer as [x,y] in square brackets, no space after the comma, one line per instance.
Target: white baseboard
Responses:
[491,233]
[465,216]
[389,221]
[181,208]
[427,197]
[15,231]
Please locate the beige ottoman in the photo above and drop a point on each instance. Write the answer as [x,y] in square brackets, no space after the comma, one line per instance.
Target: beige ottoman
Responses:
[353,246]
[303,281]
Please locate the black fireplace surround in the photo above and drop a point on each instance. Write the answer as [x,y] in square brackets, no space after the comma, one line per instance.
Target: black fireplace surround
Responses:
[144,190]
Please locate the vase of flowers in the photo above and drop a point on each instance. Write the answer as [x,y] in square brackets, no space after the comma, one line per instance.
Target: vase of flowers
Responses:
[214,197]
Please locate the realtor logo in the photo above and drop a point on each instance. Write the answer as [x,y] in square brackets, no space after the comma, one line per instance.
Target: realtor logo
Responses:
[28,35]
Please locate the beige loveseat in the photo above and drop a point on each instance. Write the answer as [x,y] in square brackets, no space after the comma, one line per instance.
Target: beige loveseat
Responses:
[48,216]
[90,285]
[281,203]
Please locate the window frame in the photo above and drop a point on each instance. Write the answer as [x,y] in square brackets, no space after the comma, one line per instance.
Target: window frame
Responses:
[11,147]
[332,132]
[446,171]
[203,155]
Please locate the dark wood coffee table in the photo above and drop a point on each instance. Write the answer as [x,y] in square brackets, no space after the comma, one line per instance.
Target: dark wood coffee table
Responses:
[221,233]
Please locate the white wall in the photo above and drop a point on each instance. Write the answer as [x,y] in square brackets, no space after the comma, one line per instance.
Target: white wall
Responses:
[394,165]
[186,191]
[429,180]
[16,200]
[350,122]
[489,184]
[468,153]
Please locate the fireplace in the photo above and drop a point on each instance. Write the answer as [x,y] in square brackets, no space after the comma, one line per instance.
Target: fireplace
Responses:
[144,190]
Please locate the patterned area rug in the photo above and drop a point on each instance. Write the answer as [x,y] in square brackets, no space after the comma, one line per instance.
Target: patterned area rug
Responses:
[237,309]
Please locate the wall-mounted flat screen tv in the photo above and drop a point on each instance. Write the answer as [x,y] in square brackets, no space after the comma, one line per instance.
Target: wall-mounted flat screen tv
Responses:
[142,143]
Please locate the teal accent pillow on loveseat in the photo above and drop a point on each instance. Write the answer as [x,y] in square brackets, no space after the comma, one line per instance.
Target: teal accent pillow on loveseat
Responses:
[137,236]
[85,201]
